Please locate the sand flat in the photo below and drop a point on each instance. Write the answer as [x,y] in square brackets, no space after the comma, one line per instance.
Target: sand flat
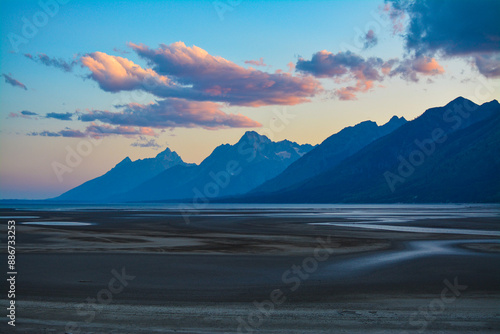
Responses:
[209,275]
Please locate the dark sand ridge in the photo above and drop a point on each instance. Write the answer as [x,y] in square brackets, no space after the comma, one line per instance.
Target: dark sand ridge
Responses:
[214,268]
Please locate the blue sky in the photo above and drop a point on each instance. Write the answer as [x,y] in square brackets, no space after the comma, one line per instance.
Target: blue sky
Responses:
[341,89]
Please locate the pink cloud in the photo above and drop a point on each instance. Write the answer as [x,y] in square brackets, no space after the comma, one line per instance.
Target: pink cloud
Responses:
[349,93]
[205,74]
[171,113]
[259,62]
[117,73]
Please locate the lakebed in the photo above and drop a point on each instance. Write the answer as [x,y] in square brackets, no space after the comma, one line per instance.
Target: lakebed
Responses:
[268,269]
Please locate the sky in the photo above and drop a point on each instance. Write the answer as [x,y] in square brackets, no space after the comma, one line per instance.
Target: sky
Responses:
[85,84]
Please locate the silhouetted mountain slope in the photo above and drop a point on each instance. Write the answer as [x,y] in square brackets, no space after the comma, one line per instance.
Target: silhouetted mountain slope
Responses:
[430,159]
[125,176]
[229,170]
[330,152]
[465,169]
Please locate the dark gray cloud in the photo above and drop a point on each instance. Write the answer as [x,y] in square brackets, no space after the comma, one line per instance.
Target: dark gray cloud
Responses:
[60,116]
[41,58]
[453,28]
[13,82]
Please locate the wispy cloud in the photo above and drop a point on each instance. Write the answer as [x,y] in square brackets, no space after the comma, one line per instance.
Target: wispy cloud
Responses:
[13,82]
[24,114]
[42,58]
[370,39]
[98,131]
[397,14]
[259,62]
[120,51]
[350,92]
[63,133]
[144,142]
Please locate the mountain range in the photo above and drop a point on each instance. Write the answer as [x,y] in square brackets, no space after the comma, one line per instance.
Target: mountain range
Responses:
[125,176]
[228,170]
[448,154]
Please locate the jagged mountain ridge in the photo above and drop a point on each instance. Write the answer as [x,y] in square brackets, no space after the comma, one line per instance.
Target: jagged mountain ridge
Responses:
[126,175]
[330,152]
[365,176]
[228,170]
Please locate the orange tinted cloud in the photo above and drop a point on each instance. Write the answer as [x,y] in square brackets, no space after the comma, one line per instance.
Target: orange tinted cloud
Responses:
[427,66]
[117,73]
[349,93]
[410,69]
